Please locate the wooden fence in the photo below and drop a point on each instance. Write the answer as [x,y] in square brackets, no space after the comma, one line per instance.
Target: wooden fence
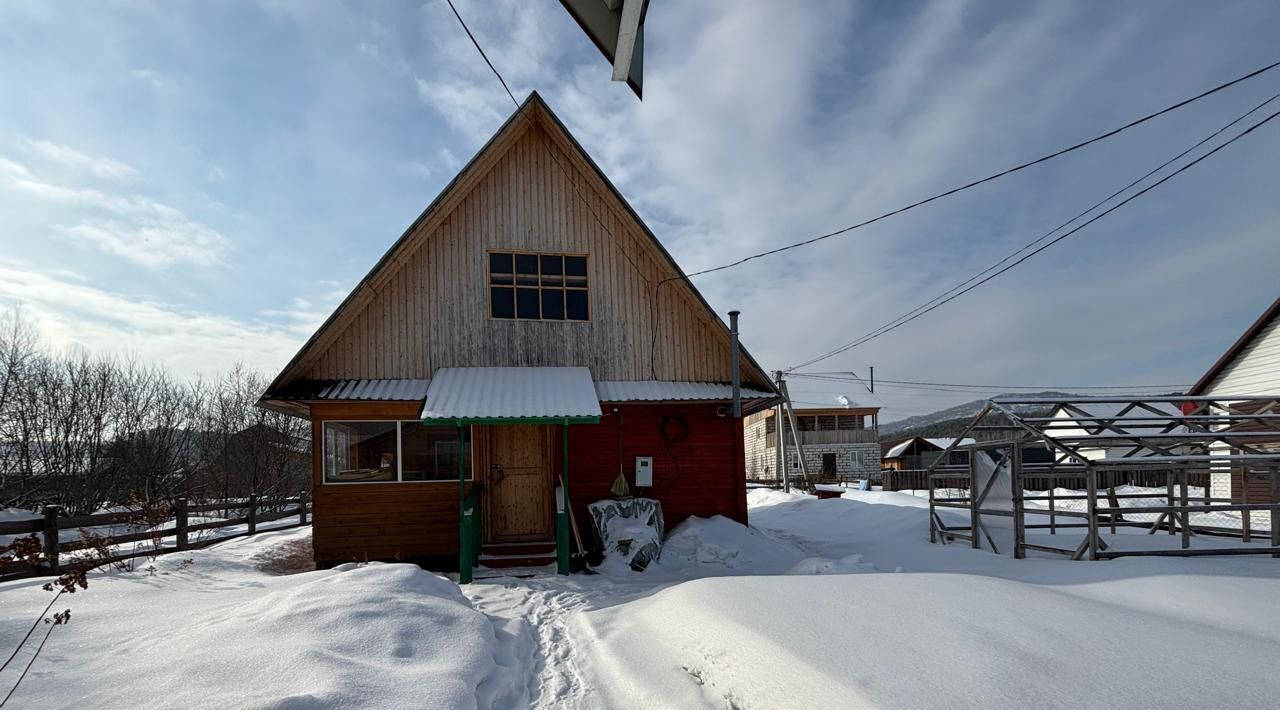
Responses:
[256,511]
[918,480]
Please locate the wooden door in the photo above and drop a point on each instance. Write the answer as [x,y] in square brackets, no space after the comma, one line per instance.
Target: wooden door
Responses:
[520,483]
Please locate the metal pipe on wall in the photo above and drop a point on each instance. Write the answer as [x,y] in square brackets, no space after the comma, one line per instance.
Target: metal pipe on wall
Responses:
[733,364]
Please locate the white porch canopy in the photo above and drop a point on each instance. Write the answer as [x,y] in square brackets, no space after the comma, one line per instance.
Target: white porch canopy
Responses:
[512,395]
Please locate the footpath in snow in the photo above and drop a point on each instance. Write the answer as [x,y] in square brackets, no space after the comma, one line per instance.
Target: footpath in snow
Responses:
[837,603]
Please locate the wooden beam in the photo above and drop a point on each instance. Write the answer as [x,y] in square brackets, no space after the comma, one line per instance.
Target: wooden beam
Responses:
[628,30]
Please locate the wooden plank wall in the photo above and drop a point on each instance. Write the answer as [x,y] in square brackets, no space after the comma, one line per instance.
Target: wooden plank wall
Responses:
[379,521]
[704,475]
[430,308]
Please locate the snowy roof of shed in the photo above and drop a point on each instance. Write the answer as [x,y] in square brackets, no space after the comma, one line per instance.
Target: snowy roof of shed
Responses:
[902,446]
[664,391]
[480,394]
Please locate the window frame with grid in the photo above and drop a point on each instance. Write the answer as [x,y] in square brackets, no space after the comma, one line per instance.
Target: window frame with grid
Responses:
[538,286]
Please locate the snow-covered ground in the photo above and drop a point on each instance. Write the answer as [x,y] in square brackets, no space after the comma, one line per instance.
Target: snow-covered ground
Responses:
[837,603]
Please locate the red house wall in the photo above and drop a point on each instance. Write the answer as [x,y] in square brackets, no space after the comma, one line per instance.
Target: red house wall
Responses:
[702,475]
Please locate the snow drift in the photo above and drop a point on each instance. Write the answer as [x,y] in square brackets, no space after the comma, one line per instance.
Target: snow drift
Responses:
[375,636]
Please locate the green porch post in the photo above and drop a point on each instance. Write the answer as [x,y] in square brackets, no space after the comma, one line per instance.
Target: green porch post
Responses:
[466,556]
[562,505]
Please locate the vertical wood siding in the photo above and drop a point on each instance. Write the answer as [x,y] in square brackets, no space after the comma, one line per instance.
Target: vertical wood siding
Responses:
[429,307]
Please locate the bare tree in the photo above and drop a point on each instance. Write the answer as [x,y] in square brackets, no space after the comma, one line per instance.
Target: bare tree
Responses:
[84,432]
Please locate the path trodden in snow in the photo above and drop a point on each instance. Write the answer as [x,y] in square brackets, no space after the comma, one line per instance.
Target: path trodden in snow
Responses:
[834,604]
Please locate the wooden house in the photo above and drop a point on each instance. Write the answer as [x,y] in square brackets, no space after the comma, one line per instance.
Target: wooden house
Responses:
[837,443]
[1250,367]
[526,335]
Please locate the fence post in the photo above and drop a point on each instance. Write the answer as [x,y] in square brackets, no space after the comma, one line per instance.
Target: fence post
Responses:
[253,513]
[1275,513]
[1019,506]
[51,537]
[180,523]
[1246,516]
[1091,491]
[302,508]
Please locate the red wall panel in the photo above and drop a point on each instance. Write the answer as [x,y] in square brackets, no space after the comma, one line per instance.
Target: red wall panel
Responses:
[701,475]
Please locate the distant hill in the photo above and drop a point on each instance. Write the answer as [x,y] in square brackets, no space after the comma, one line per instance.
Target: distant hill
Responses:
[952,420]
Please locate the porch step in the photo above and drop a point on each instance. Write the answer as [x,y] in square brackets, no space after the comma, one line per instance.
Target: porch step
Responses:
[519,548]
[527,554]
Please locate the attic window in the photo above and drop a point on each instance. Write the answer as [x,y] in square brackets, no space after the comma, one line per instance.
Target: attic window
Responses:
[537,286]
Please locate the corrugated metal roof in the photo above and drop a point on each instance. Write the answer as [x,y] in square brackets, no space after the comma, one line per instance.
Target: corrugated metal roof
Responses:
[901,447]
[944,442]
[511,393]
[663,391]
[379,390]
[898,449]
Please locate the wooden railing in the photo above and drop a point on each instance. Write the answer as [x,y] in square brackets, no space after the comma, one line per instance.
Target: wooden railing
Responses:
[833,436]
[256,512]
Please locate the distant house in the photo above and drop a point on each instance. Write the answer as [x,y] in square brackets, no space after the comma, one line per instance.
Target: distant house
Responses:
[1145,419]
[510,356]
[1251,366]
[838,443]
[919,452]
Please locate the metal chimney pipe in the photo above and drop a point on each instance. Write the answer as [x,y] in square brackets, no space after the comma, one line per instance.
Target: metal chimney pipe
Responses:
[733,364]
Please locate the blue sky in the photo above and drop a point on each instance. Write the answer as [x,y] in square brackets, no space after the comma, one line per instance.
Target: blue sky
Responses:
[200,183]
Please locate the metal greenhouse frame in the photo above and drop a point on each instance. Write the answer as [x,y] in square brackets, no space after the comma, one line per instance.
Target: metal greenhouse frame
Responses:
[1099,444]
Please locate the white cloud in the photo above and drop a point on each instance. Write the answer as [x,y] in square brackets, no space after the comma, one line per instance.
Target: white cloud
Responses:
[135,227]
[72,313]
[70,157]
[470,109]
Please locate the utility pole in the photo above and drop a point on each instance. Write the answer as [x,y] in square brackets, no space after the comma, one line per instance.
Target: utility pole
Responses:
[873,379]
[795,434]
[780,449]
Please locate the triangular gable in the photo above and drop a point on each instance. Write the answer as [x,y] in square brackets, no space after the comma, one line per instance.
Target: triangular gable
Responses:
[606,203]
[1237,349]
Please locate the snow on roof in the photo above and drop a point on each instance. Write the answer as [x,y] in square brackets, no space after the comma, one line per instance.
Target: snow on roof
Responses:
[511,393]
[384,390]
[898,449]
[945,442]
[659,390]
[901,447]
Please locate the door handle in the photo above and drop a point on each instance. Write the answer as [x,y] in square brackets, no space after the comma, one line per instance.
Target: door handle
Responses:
[497,474]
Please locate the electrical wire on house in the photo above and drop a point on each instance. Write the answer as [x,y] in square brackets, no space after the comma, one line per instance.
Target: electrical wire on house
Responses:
[550,153]
[918,312]
[655,287]
[656,292]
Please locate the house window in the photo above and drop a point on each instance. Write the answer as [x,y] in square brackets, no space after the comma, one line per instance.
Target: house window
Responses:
[527,286]
[430,453]
[390,451]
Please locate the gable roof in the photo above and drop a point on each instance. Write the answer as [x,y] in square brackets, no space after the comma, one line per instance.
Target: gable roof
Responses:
[535,111]
[1236,348]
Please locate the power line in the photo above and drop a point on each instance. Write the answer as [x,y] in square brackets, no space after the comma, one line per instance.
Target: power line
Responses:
[989,178]
[821,375]
[1068,223]
[903,321]
[482,54]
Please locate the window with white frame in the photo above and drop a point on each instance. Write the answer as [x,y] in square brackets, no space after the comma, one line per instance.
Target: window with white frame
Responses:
[391,451]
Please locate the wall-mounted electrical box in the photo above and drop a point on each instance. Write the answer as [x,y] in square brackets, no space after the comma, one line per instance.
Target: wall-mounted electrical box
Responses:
[644,472]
